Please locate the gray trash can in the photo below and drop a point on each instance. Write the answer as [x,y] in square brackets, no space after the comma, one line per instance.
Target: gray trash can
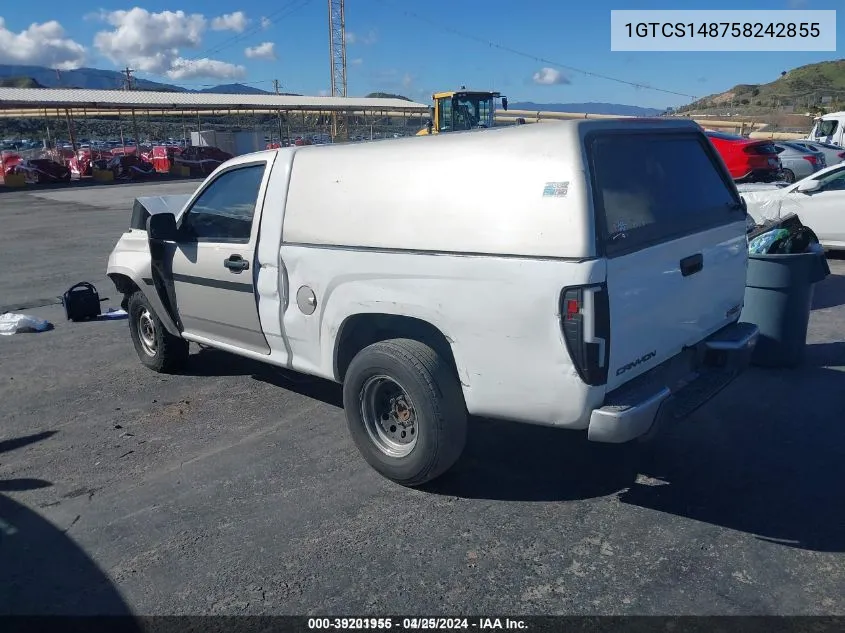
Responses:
[778,299]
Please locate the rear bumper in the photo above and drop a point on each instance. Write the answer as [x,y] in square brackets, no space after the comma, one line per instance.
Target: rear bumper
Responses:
[768,174]
[674,389]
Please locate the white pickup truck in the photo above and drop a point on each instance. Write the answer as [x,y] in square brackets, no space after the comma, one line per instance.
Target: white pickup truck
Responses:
[587,275]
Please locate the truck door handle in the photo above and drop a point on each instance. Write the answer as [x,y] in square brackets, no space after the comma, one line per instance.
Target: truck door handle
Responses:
[692,264]
[236,263]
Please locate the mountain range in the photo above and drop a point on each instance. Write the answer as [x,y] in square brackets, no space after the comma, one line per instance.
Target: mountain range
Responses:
[99,79]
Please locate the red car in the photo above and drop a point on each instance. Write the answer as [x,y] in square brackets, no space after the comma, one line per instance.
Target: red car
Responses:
[747,160]
[40,170]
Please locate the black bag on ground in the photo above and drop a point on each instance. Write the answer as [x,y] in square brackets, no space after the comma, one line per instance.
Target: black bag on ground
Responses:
[81,302]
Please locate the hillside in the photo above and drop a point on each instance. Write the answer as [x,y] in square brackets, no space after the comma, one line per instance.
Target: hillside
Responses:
[98,79]
[807,88]
[19,82]
[615,109]
[385,95]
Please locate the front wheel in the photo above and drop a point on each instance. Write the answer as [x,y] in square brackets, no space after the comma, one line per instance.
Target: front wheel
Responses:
[789,175]
[157,348]
[405,410]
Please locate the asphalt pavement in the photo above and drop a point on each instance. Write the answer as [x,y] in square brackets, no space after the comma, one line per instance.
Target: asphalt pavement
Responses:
[235,488]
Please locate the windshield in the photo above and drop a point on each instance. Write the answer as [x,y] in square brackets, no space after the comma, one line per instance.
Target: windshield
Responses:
[825,128]
[465,112]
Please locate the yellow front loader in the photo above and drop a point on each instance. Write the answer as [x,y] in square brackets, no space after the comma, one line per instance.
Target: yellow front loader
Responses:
[462,110]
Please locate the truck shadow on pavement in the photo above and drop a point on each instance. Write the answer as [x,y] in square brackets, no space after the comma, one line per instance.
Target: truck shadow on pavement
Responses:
[830,293]
[765,457]
[42,570]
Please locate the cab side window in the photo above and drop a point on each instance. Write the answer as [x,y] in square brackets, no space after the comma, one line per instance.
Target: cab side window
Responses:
[224,211]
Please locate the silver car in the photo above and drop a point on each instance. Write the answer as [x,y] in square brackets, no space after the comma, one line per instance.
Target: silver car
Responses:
[798,162]
[833,154]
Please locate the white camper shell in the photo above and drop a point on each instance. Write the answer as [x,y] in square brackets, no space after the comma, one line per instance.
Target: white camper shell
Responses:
[586,274]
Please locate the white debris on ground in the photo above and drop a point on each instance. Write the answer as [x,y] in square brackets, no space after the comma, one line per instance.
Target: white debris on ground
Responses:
[13,323]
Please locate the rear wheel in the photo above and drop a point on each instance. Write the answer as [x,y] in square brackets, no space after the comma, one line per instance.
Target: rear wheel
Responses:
[789,175]
[157,348]
[405,410]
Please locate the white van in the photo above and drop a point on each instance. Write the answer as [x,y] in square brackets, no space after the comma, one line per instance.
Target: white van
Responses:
[587,275]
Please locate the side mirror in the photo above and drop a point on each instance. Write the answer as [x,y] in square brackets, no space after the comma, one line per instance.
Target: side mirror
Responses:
[162,226]
[809,186]
[504,103]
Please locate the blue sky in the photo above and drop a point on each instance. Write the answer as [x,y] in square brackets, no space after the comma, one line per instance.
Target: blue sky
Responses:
[389,50]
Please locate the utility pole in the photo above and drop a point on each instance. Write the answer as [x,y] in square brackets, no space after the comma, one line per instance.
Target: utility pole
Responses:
[128,72]
[276,87]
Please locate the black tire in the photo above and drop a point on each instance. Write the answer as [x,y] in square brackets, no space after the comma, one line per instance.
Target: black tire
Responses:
[157,348]
[438,417]
[788,175]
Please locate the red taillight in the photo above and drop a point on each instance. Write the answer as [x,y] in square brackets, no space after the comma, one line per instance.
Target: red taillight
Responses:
[812,159]
[585,315]
[841,155]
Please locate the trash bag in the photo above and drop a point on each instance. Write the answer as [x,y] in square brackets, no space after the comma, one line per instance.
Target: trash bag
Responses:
[783,241]
[12,323]
[762,243]
[798,241]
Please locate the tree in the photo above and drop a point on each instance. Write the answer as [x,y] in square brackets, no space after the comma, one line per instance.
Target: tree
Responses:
[745,102]
[755,92]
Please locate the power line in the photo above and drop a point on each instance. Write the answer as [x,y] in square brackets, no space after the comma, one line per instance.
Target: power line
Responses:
[286,11]
[535,58]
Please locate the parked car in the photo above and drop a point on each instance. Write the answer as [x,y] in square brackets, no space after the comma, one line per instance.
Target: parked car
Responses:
[536,290]
[747,160]
[41,170]
[201,160]
[797,161]
[126,167]
[818,201]
[833,154]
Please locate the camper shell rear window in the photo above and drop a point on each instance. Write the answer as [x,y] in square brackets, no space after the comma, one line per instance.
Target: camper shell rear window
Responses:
[653,186]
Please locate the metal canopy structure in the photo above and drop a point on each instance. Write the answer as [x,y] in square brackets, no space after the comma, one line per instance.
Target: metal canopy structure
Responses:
[77,99]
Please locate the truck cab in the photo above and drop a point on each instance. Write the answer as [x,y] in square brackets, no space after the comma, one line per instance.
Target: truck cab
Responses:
[829,129]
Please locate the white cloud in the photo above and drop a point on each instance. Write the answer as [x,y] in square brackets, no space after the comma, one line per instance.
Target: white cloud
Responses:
[549,77]
[152,43]
[195,68]
[371,37]
[149,41]
[324,93]
[236,21]
[407,80]
[40,45]
[356,62]
[265,50]
[266,23]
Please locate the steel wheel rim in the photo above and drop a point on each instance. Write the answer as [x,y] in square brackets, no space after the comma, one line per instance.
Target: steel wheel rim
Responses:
[389,416]
[147,332]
